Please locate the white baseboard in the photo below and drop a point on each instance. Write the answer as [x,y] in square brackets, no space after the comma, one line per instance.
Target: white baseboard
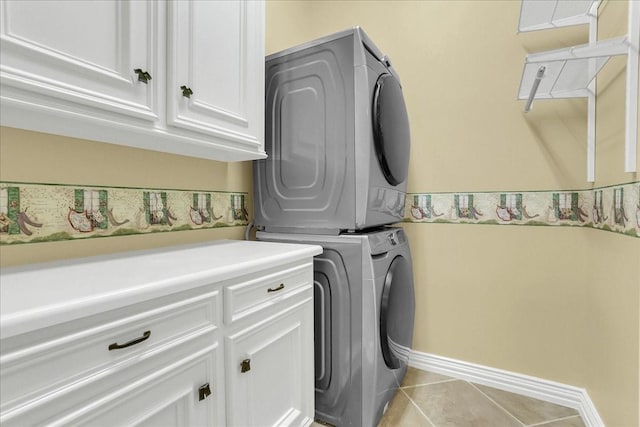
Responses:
[549,391]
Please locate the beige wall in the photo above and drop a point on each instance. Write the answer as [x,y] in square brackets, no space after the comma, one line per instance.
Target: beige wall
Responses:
[612,288]
[554,302]
[460,63]
[558,303]
[36,157]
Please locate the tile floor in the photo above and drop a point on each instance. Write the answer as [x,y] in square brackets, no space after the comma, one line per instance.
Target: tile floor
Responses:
[432,400]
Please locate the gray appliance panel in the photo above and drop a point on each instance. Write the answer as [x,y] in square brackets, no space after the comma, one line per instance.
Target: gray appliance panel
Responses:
[337,326]
[338,348]
[308,179]
[353,344]
[322,175]
[391,238]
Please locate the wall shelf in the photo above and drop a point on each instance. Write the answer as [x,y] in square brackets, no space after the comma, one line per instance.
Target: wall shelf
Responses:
[568,72]
[545,14]
[571,72]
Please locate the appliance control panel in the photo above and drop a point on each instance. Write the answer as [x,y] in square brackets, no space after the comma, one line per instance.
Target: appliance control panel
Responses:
[386,240]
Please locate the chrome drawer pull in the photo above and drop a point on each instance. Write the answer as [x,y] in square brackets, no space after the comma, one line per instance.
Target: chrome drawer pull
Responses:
[279,288]
[116,346]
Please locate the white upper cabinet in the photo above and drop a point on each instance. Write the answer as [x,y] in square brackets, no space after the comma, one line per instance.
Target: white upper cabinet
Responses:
[90,61]
[214,73]
[116,70]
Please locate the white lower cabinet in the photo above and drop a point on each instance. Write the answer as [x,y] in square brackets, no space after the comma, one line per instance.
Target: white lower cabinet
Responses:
[127,368]
[176,395]
[232,350]
[267,368]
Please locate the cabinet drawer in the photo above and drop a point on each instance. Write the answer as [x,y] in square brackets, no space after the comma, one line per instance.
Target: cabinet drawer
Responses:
[167,397]
[162,385]
[247,297]
[68,360]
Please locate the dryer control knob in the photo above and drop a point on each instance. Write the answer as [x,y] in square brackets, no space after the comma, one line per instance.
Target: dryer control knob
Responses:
[392,239]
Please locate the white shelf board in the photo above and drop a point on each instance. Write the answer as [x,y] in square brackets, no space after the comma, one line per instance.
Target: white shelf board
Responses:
[568,71]
[545,14]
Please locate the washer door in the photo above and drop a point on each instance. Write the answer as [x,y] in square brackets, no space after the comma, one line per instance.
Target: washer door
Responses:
[391,129]
[397,309]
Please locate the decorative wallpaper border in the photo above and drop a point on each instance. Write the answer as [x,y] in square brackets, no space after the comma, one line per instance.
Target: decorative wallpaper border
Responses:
[614,208]
[32,213]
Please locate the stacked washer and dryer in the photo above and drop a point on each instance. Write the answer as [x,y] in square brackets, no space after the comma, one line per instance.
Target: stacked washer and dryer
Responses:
[337,137]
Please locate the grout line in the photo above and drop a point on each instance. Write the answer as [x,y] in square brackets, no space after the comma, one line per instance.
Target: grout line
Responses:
[543,423]
[435,382]
[417,407]
[495,403]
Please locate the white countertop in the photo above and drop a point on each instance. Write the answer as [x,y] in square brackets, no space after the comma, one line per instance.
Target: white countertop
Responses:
[41,295]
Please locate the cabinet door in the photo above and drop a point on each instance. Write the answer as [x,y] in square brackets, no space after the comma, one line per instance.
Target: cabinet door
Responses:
[215,66]
[81,53]
[170,399]
[276,355]
[159,390]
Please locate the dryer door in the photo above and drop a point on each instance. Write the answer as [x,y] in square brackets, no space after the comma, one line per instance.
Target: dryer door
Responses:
[391,129]
[397,309]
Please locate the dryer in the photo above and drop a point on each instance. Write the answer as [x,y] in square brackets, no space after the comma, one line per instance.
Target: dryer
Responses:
[337,139]
[364,315]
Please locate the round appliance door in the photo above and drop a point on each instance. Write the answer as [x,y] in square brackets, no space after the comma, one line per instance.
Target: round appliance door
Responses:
[397,309]
[391,129]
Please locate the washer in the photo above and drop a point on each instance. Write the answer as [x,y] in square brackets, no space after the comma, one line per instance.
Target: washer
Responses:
[337,139]
[364,314]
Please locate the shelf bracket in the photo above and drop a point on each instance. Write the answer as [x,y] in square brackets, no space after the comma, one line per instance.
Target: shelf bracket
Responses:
[591,99]
[534,88]
[633,72]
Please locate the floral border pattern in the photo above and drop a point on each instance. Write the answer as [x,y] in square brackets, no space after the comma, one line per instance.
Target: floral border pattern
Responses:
[615,208]
[32,213]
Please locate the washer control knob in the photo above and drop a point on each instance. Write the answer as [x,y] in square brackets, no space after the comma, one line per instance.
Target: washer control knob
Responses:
[392,239]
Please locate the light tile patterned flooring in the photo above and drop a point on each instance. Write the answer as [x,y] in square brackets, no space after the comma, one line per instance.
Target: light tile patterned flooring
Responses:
[432,400]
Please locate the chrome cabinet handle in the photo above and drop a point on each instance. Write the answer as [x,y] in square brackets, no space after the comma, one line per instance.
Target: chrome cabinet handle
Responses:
[143,76]
[186,91]
[279,288]
[116,346]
